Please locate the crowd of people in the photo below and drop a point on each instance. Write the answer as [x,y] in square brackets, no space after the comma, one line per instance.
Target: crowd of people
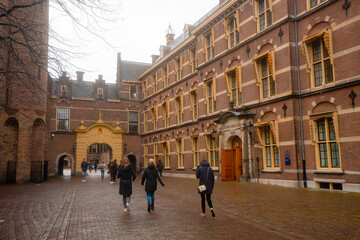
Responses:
[152,174]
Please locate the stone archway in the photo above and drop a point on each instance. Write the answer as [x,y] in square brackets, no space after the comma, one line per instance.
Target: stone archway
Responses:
[99,132]
[60,161]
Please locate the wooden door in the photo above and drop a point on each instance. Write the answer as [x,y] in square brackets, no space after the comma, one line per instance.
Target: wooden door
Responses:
[227,165]
[238,163]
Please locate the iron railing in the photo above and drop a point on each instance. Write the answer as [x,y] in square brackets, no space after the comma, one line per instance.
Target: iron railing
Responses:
[36,172]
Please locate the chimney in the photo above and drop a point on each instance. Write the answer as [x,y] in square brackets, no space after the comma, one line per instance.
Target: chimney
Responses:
[79,76]
[154,58]
[100,77]
[119,69]
[169,35]
[221,2]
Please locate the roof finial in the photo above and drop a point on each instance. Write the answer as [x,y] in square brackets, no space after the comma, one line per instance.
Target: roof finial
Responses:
[170,30]
[100,115]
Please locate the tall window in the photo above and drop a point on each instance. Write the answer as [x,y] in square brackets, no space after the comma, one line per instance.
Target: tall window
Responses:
[193,59]
[194,104]
[195,150]
[271,151]
[62,119]
[165,109]
[212,150]
[133,122]
[178,68]
[166,151]
[63,90]
[154,82]
[133,92]
[322,68]
[264,14]
[146,155]
[234,37]
[146,123]
[267,81]
[165,75]
[179,109]
[326,142]
[208,45]
[144,88]
[314,3]
[210,95]
[154,117]
[100,93]
[233,85]
[180,152]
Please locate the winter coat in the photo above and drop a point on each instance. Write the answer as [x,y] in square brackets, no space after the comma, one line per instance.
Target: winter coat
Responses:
[160,166]
[112,168]
[151,174]
[201,173]
[126,174]
[84,166]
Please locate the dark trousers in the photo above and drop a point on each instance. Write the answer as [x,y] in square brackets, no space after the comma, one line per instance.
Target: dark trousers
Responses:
[208,199]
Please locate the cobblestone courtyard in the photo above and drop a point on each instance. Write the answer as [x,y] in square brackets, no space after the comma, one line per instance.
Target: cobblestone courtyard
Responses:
[66,208]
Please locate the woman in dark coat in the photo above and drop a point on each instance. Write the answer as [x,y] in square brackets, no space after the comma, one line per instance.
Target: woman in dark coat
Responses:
[206,177]
[151,174]
[126,173]
[113,169]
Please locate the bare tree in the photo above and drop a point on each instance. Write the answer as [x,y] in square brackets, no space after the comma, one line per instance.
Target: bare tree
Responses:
[25,53]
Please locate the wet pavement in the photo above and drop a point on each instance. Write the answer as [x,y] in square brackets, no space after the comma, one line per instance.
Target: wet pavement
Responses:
[66,208]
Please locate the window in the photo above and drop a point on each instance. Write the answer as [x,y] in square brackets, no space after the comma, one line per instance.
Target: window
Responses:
[100,93]
[165,110]
[93,148]
[165,75]
[133,92]
[63,90]
[313,3]
[145,89]
[178,68]
[133,122]
[193,59]
[179,111]
[154,83]
[180,152]
[317,50]
[232,32]
[325,137]
[154,117]
[210,95]
[263,13]
[62,119]
[194,104]
[208,45]
[212,150]
[268,139]
[233,86]
[264,69]
[146,155]
[165,145]
[146,123]
[195,150]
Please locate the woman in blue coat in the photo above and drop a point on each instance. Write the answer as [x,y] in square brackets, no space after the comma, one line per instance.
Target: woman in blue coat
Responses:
[206,177]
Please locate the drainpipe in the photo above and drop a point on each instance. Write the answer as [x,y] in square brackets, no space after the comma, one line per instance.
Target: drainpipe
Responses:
[300,100]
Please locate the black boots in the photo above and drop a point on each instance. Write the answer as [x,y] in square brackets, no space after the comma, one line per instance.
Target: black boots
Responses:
[148,207]
[152,206]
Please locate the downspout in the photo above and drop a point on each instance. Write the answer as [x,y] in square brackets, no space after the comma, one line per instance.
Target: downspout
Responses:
[300,100]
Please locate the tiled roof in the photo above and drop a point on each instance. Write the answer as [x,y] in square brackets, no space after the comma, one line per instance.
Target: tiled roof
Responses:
[131,70]
[82,89]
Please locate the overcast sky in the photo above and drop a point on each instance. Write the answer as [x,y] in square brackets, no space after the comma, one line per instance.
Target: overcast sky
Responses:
[137,32]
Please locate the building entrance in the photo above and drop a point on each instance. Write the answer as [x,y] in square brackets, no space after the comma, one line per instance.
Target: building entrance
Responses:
[132,159]
[231,161]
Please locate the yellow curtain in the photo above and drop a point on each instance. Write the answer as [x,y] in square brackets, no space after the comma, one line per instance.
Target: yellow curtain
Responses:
[238,76]
[227,83]
[258,131]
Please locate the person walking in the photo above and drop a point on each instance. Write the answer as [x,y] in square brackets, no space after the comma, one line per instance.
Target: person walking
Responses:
[206,178]
[84,167]
[126,173]
[95,166]
[102,169]
[160,167]
[151,175]
[113,169]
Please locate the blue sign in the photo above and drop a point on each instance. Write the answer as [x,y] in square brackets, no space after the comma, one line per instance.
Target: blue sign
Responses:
[287,161]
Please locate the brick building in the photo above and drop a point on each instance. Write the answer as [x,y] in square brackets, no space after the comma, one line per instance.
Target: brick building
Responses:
[23,89]
[264,90]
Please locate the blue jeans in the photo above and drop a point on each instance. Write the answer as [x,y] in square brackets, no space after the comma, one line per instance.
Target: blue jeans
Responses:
[102,173]
[150,195]
[83,175]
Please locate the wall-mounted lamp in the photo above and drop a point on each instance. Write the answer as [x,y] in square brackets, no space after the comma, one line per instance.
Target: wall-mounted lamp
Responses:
[213,134]
[52,135]
[251,128]
[74,147]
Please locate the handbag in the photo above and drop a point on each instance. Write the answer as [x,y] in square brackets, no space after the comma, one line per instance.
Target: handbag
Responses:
[202,188]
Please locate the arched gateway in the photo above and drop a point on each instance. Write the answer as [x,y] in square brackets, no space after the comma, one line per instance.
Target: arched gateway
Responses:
[99,132]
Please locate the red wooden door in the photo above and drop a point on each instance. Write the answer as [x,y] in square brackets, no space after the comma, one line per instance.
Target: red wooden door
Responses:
[227,165]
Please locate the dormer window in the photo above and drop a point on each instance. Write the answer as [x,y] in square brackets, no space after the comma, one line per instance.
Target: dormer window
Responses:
[63,91]
[186,34]
[100,93]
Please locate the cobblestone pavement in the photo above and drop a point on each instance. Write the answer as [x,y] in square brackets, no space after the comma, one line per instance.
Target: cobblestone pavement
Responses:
[66,208]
